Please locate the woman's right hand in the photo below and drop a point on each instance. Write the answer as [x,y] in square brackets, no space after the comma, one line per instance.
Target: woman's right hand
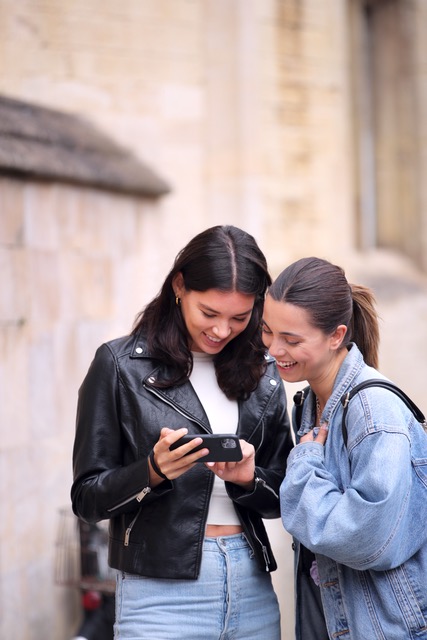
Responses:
[319,435]
[174,463]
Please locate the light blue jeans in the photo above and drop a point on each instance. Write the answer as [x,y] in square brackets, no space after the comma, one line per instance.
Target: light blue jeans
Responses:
[231,600]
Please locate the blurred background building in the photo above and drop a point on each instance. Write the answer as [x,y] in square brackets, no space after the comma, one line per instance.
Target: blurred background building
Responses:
[128,126]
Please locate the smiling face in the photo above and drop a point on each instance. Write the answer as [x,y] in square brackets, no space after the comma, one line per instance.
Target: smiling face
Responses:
[302,351]
[213,318]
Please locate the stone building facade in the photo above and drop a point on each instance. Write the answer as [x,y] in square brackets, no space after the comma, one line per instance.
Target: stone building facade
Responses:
[302,121]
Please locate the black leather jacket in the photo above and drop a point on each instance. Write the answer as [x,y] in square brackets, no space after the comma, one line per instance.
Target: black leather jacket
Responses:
[159,532]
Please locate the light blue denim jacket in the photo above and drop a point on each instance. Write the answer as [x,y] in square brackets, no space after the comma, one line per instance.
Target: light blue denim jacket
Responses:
[363,510]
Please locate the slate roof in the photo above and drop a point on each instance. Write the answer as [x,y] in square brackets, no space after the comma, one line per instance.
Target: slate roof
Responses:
[45,144]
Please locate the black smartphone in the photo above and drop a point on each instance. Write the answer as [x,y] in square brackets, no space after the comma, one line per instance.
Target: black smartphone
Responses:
[223,447]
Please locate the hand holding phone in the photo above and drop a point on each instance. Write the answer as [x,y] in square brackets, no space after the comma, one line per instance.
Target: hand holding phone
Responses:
[223,447]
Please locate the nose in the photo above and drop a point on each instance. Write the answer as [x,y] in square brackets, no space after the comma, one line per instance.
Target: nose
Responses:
[221,330]
[276,348]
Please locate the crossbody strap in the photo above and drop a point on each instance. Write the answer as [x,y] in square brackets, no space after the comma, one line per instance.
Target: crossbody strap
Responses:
[378,382]
[299,398]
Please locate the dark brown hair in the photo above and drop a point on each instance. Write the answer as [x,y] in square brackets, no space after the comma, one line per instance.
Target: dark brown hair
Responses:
[227,259]
[321,288]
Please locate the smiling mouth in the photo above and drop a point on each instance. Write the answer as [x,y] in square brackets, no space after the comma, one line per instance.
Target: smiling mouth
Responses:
[212,339]
[285,365]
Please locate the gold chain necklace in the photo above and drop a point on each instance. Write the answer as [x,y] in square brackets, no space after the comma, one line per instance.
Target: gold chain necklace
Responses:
[318,411]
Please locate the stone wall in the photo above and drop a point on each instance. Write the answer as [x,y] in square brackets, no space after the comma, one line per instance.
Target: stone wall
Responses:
[76,268]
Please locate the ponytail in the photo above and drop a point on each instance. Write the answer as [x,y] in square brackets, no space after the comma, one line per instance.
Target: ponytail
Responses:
[364,329]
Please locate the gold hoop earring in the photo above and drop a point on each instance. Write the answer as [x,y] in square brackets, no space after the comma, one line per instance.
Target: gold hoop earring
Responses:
[177,301]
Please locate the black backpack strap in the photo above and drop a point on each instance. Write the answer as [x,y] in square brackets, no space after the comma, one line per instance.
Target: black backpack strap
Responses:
[378,382]
[299,398]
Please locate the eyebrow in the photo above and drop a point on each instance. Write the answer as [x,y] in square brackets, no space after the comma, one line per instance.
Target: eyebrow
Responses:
[283,333]
[237,315]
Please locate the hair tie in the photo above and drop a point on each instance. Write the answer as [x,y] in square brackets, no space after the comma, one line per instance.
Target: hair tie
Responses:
[155,467]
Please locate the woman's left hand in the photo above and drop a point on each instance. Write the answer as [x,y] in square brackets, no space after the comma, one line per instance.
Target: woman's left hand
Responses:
[242,472]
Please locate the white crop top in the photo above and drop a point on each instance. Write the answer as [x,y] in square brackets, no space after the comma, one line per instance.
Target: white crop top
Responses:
[223,415]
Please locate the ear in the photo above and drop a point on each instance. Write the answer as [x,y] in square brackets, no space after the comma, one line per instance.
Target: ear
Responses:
[178,284]
[337,337]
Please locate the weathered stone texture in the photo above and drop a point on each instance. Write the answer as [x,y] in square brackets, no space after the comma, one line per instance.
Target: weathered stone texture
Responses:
[73,273]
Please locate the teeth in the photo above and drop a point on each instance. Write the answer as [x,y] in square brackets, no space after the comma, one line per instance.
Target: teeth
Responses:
[213,339]
[285,365]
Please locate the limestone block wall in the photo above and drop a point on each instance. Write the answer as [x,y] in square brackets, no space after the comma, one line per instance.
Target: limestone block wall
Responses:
[247,107]
[76,266]
[243,105]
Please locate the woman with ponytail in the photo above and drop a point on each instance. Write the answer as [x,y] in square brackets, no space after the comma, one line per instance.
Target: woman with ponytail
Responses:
[356,508]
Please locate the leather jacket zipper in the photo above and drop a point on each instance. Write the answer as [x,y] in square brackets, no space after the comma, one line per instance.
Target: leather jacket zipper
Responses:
[263,548]
[129,529]
[265,485]
[259,480]
[174,406]
[139,496]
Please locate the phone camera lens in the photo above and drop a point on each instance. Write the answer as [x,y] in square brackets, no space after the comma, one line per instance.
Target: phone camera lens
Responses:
[228,443]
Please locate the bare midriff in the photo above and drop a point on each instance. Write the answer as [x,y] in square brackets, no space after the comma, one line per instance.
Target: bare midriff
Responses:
[218,530]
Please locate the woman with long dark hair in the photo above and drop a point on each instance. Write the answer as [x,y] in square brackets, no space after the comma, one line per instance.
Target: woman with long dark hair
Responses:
[187,536]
